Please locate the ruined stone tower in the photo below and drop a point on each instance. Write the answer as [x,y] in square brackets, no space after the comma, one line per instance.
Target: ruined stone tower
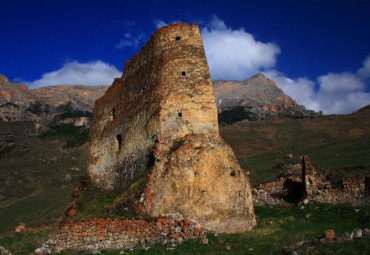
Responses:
[160,120]
[165,91]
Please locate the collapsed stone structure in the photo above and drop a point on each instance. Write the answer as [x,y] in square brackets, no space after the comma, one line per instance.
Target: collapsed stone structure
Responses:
[160,120]
[313,186]
[122,233]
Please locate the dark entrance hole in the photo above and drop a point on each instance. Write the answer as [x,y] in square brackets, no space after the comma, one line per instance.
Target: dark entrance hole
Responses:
[296,191]
[178,38]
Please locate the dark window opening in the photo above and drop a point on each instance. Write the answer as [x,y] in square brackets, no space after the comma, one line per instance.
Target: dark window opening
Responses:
[183,74]
[119,141]
[112,114]
[180,114]
[233,173]
[178,38]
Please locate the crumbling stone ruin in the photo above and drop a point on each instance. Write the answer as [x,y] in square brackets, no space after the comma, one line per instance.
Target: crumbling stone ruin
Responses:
[159,120]
[313,186]
[122,233]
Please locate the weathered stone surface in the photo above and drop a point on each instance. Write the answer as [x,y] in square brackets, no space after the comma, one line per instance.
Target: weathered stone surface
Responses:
[4,251]
[165,91]
[161,117]
[199,178]
[329,233]
[313,186]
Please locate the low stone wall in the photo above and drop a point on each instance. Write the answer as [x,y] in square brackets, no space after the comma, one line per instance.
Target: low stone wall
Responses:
[314,187]
[262,197]
[122,234]
[352,190]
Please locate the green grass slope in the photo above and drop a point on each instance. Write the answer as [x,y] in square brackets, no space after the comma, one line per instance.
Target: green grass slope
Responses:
[38,173]
[340,144]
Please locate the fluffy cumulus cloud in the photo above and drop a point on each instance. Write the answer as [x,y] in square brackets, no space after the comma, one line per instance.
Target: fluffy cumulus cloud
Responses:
[235,54]
[341,92]
[334,93]
[76,73]
[302,89]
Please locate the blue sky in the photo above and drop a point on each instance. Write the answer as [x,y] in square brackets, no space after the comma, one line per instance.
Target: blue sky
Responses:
[318,52]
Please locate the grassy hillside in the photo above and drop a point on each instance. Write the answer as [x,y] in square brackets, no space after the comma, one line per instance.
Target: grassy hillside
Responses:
[340,144]
[38,173]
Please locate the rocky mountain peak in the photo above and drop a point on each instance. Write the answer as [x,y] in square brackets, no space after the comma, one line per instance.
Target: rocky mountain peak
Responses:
[255,98]
[260,79]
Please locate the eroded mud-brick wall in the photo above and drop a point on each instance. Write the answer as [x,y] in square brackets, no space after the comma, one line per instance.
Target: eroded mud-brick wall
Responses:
[165,91]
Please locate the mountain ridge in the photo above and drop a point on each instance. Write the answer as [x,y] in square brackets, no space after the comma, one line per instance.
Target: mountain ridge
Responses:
[255,98]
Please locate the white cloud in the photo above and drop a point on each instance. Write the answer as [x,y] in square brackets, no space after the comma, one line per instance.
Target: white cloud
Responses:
[130,40]
[302,89]
[341,93]
[160,23]
[339,83]
[336,93]
[76,73]
[235,54]
[364,71]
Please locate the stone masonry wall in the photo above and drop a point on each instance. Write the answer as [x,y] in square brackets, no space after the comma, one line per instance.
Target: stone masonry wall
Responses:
[122,234]
[316,186]
[165,91]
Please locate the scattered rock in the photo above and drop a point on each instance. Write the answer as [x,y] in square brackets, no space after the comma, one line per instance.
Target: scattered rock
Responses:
[287,156]
[21,228]
[4,251]
[356,233]
[205,240]
[75,168]
[329,234]
[343,237]
[366,233]
[228,247]
[67,177]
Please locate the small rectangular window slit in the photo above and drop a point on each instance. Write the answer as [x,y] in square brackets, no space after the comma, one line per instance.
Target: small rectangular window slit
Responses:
[118,142]
[183,74]
[112,114]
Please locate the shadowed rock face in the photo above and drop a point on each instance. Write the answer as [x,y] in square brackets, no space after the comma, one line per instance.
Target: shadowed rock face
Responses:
[160,120]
